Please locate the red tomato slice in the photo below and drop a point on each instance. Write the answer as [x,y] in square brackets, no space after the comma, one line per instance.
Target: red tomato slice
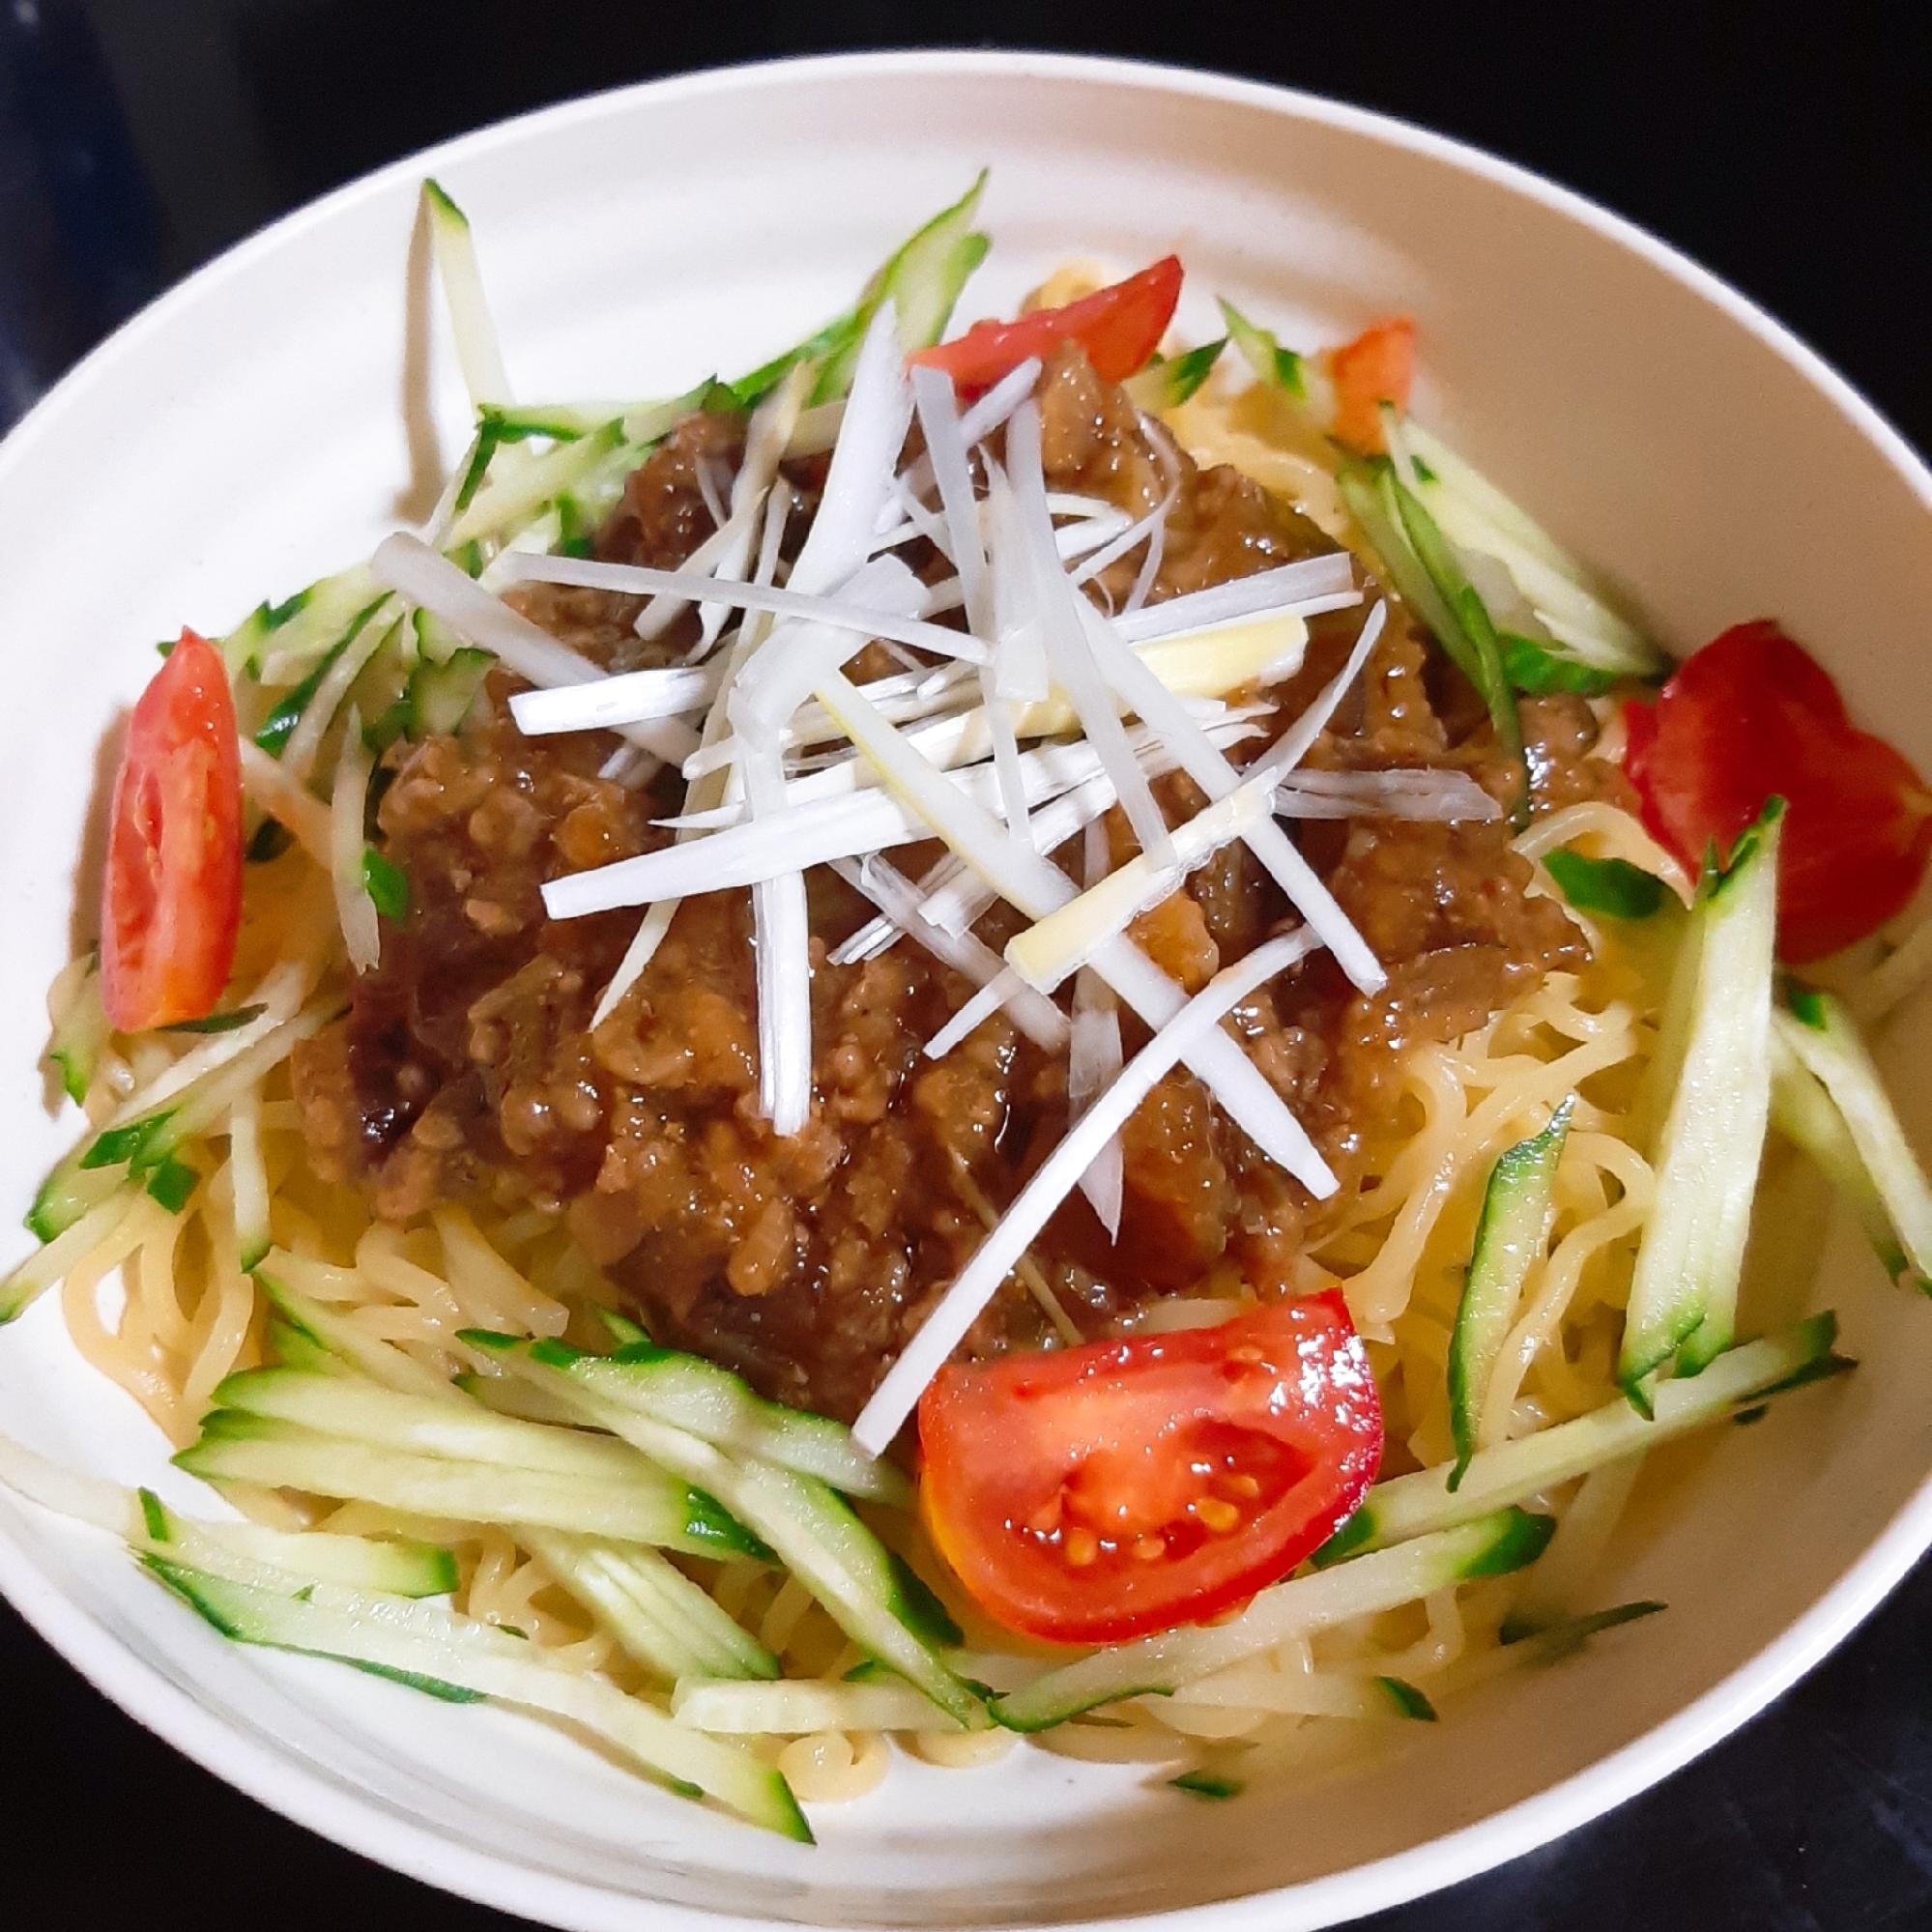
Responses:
[1094,1494]
[173,895]
[1374,368]
[1752,716]
[1119,328]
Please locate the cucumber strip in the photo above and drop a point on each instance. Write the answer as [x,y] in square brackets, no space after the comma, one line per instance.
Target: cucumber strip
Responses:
[1279,368]
[295,1348]
[1534,665]
[1549,1592]
[1683,1296]
[266,1558]
[1168,382]
[440,695]
[1424,571]
[718,1406]
[1479,516]
[1513,1472]
[871,1596]
[1518,1209]
[73,1048]
[249,1176]
[280,727]
[456,250]
[330,1333]
[799,1707]
[432,1649]
[922,278]
[246,1552]
[505,503]
[512,1396]
[90,1225]
[304,627]
[1490,1546]
[646,1506]
[236,1063]
[371,639]
[658,1615]
[386,1418]
[1807,1116]
[1823,1035]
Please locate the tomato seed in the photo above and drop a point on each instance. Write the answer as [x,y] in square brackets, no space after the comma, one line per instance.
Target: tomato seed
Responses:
[1083,1546]
[1150,1548]
[1218,1516]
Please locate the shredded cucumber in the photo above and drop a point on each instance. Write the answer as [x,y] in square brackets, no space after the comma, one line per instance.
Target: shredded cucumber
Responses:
[1820,1032]
[458,1659]
[1518,1207]
[802,1706]
[1685,1293]
[1491,1546]
[872,1595]
[1514,1472]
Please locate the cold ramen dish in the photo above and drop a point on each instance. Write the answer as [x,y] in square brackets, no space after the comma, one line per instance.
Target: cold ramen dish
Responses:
[1043,1039]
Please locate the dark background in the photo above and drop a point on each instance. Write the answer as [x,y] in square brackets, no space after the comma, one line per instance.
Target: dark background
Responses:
[1793,155]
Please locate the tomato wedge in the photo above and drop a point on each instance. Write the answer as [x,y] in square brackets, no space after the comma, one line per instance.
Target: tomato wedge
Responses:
[1119,328]
[172,898]
[1094,1494]
[1751,716]
[1376,367]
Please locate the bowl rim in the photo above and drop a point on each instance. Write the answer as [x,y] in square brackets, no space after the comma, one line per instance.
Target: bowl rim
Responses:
[312,1798]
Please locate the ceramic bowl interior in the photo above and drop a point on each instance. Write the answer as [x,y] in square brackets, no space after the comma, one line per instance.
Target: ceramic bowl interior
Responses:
[267,423]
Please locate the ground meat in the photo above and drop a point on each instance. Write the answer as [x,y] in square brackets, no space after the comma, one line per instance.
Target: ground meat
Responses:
[466,1067]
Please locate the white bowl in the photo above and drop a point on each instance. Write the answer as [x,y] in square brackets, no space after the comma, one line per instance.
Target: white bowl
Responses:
[246,434]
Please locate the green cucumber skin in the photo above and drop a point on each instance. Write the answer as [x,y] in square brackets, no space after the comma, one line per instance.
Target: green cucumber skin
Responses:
[1821,1034]
[1518,1206]
[1683,1296]
[1406,1506]
[1492,1545]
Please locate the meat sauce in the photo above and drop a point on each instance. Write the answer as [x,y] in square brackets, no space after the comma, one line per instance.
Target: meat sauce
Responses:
[466,1067]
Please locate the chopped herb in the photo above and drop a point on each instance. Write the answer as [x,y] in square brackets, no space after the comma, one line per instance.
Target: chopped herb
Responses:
[1204,1784]
[386,885]
[1409,1702]
[217,1022]
[1612,887]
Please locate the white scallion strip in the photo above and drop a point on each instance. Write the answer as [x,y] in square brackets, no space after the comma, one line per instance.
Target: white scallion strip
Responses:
[1066,938]
[305,740]
[858,483]
[348,801]
[766,438]
[666,607]
[1326,582]
[945,1326]
[1018,616]
[629,698]
[292,806]
[1095,1057]
[407,565]
[1000,401]
[455,248]
[898,897]
[1036,886]
[1004,984]
[1448,798]
[656,922]
[1295,743]
[634,579]
[782,937]
[1069,657]
[1137,687]
[248,1174]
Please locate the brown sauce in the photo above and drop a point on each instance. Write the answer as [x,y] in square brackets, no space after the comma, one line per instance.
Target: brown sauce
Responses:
[466,1069]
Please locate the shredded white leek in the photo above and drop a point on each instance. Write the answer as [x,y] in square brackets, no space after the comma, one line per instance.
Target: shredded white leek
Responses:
[348,801]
